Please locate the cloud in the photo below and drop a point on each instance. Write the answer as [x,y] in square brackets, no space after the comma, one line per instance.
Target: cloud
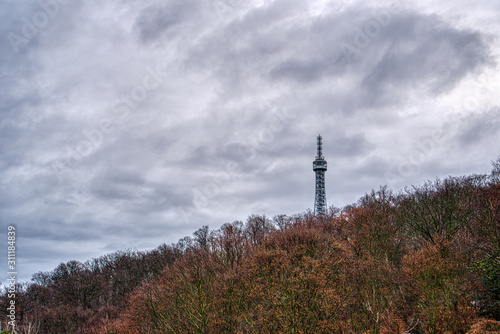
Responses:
[132,124]
[160,20]
[426,55]
[477,130]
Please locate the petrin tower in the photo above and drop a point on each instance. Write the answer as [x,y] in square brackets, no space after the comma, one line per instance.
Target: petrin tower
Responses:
[319,167]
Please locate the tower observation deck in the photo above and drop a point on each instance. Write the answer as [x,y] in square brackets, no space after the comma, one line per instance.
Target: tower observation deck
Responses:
[319,167]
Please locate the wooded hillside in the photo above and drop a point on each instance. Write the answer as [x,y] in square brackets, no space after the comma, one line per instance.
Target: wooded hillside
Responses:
[426,260]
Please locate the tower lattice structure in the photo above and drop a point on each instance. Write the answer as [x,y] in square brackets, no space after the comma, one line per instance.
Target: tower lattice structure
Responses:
[319,167]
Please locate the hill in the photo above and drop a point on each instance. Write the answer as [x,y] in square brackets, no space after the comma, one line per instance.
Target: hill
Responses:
[425,260]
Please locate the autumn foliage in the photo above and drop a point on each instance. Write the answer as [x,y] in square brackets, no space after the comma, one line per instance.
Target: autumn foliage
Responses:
[426,260]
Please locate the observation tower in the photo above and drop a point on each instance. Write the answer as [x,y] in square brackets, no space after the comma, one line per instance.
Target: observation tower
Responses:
[319,167]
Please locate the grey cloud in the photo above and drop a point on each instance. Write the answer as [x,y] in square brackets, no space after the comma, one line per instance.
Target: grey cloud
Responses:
[304,71]
[154,20]
[173,19]
[479,129]
[58,231]
[136,195]
[351,145]
[413,52]
[249,87]
[430,56]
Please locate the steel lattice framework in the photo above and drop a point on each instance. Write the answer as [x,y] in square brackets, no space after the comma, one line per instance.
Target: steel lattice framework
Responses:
[319,167]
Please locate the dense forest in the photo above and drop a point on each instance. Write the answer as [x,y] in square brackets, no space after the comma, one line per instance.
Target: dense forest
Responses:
[423,260]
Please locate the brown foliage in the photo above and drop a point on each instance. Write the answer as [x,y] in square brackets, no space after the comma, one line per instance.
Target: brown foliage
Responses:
[295,283]
[485,326]
[424,261]
[436,281]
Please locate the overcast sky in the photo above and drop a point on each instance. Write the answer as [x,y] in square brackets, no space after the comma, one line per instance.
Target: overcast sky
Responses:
[128,124]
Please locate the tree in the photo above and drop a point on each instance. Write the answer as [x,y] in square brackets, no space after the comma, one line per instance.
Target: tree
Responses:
[229,244]
[438,209]
[201,237]
[495,172]
[371,228]
[257,228]
[294,283]
[438,286]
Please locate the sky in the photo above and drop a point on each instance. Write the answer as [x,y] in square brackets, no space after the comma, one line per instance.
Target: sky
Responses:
[128,124]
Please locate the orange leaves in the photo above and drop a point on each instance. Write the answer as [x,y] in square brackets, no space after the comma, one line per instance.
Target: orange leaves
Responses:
[294,282]
[182,300]
[345,274]
[371,229]
[436,279]
[484,326]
